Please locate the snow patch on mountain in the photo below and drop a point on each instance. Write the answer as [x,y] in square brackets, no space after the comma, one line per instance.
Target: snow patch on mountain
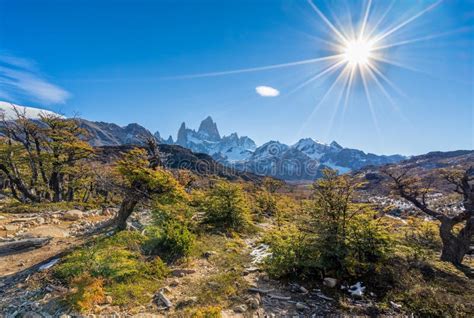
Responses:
[10,110]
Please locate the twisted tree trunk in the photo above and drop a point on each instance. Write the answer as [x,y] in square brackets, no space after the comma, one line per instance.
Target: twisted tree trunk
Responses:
[126,209]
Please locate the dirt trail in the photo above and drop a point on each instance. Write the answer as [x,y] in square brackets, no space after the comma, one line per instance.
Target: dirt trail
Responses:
[25,287]
[65,234]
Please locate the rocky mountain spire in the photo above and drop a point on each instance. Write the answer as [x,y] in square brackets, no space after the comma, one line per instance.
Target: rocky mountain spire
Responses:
[208,128]
[182,135]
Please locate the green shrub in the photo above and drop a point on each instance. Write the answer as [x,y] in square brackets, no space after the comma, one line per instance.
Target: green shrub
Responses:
[341,238]
[171,241]
[421,238]
[125,272]
[226,207]
[205,312]
[291,253]
[265,204]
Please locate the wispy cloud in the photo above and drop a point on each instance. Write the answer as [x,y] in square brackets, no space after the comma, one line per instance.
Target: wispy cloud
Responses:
[267,91]
[20,79]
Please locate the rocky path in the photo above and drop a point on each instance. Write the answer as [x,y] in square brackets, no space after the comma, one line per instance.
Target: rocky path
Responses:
[26,287]
[65,228]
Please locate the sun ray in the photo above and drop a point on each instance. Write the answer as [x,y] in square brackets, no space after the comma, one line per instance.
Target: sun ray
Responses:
[348,91]
[327,70]
[395,63]
[326,94]
[387,80]
[387,95]
[258,68]
[338,102]
[421,39]
[364,21]
[369,102]
[328,23]
[404,23]
[381,19]
[381,87]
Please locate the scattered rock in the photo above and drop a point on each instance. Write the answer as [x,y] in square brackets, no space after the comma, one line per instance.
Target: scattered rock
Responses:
[330,282]
[395,305]
[182,272]
[163,299]
[108,299]
[40,220]
[208,254]
[298,289]
[174,283]
[254,302]
[250,270]
[73,215]
[260,291]
[57,288]
[189,301]
[240,309]
[322,296]
[11,227]
[301,306]
[31,314]
[213,285]
[48,230]
[279,297]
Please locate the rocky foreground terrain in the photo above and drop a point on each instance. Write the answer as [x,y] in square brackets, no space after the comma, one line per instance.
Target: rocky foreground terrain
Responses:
[29,290]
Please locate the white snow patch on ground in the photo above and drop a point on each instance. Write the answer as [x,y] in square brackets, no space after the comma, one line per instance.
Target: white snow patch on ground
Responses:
[357,289]
[49,264]
[259,253]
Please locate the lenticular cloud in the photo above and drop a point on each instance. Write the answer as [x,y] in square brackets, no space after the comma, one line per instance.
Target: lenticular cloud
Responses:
[267,91]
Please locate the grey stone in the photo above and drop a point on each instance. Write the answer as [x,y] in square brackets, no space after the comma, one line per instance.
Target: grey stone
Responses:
[240,308]
[73,215]
[330,282]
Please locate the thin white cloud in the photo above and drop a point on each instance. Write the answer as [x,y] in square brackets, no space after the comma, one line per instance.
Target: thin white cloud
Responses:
[267,91]
[20,79]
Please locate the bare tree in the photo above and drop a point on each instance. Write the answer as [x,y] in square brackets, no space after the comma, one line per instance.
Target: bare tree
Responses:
[456,244]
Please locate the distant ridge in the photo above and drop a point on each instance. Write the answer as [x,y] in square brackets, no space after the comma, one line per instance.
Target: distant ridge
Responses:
[301,161]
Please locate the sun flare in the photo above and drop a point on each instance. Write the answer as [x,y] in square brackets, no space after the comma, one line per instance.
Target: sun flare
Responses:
[358,52]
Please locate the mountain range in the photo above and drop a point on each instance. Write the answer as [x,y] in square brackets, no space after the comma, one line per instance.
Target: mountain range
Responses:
[303,160]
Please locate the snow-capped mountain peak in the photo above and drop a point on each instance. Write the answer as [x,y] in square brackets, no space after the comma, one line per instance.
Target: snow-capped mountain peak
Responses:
[207,139]
[312,148]
[10,110]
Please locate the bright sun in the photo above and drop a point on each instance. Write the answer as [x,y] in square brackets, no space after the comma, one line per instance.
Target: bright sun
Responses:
[358,52]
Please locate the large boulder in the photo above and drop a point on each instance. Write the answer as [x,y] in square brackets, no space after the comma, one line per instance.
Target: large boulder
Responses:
[73,215]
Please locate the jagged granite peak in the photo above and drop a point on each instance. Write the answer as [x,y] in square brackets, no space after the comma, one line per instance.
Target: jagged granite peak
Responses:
[169,141]
[208,128]
[158,137]
[335,145]
[182,132]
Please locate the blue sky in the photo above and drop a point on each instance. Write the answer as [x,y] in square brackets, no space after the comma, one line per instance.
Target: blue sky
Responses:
[124,61]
